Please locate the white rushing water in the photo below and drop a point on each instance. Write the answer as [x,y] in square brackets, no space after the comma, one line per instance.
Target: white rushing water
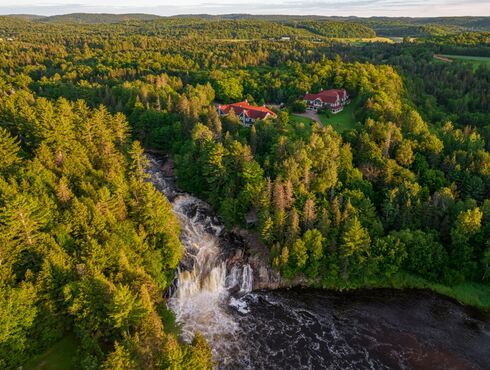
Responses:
[201,299]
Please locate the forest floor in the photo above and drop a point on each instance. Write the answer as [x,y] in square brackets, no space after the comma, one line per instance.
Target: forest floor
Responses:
[58,357]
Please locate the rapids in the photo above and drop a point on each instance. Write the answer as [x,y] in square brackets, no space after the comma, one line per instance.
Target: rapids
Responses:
[204,280]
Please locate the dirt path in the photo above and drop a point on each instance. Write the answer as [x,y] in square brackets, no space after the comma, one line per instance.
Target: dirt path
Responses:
[441,58]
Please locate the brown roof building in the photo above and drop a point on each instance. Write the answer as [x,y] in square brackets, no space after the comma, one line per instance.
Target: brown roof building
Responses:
[247,113]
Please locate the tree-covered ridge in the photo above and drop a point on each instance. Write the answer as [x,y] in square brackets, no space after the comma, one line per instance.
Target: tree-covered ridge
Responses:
[247,26]
[87,245]
[334,29]
[465,38]
[99,18]
[189,27]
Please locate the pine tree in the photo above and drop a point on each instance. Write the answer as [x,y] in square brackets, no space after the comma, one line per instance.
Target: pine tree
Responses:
[267,230]
[63,192]
[354,248]
[355,239]
[284,255]
[299,254]
[119,359]
[17,314]
[125,309]
[198,356]
[9,149]
[139,162]
[288,194]
[309,213]
[22,219]
[214,122]
[278,196]
[253,139]
[336,214]
[293,229]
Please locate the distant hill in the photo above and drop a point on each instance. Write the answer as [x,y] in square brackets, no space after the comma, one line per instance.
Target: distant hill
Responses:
[98,18]
[26,17]
[248,26]
[464,21]
[252,28]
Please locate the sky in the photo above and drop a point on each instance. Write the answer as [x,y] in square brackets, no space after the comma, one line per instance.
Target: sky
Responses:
[361,8]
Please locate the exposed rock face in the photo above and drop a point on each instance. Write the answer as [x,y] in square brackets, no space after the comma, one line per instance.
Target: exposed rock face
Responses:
[258,256]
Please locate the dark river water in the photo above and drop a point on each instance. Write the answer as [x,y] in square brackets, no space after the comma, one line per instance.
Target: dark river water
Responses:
[370,329]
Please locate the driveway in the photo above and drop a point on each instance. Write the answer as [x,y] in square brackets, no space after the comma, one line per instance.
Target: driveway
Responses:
[310,114]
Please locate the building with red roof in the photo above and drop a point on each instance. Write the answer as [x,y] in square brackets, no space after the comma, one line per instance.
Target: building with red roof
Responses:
[333,99]
[247,113]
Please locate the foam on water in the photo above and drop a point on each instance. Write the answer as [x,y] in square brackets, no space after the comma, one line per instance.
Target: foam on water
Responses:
[201,296]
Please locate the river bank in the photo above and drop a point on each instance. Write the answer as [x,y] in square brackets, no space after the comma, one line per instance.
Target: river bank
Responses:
[469,293]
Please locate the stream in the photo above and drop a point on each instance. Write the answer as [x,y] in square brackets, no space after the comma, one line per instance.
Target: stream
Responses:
[307,328]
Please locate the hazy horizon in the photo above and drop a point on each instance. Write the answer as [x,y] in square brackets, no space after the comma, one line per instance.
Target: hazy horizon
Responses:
[359,8]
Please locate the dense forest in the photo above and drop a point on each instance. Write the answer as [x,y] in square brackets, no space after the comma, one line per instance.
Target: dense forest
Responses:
[88,246]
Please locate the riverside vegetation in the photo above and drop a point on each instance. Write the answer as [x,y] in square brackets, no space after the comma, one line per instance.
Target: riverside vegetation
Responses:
[88,246]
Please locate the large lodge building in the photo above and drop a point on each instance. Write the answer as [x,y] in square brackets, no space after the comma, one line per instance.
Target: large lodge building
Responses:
[333,100]
[247,113]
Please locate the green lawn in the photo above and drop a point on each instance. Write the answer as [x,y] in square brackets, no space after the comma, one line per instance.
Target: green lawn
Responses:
[342,121]
[58,357]
[298,119]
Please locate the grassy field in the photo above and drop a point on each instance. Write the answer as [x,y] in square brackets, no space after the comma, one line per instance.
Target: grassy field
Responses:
[363,40]
[298,119]
[342,121]
[58,357]
[476,61]
[466,57]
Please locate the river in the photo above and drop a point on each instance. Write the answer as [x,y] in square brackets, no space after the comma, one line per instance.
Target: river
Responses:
[303,328]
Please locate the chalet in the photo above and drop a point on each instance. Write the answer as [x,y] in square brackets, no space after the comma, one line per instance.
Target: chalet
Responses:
[247,113]
[333,99]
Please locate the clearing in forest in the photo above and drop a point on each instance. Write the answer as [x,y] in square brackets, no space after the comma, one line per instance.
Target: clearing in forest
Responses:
[475,60]
[342,121]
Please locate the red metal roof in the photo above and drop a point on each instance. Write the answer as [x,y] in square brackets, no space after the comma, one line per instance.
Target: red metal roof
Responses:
[251,111]
[328,96]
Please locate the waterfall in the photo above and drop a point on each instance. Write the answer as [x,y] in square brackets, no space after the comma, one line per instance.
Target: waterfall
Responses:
[241,277]
[206,283]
